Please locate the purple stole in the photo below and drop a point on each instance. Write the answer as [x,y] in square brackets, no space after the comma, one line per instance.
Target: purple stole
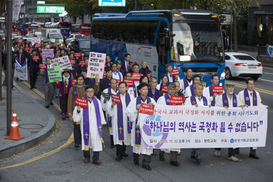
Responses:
[118,75]
[75,92]
[124,66]
[63,86]
[185,81]
[137,130]
[210,93]
[109,118]
[178,94]
[120,119]
[225,100]
[36,66]
[46,75]
[86,128]
[167,99]
[192,90]
[193,100]
[167,74]
[247,99]
[141,71]
[150,94]
[107,83]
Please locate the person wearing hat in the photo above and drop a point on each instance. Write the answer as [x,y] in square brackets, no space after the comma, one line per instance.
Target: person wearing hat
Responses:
[119,64]
[137,142]
[226,100]
[33,68]
[64,87]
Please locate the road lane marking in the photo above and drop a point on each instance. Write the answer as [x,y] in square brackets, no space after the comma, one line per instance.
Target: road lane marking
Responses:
[266,80]
[66,144]
[257,89]
[268,73]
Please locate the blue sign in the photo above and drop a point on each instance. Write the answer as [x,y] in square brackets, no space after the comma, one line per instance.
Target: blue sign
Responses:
[112,2]
[269,50]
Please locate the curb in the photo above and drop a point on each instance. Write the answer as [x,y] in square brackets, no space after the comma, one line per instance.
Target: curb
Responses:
[26,143]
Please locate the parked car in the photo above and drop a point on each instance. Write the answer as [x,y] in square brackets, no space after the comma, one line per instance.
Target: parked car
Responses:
[242,65]
[73,37]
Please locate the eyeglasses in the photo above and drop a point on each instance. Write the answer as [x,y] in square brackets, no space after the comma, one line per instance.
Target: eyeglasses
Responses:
[80,79]
[89,91]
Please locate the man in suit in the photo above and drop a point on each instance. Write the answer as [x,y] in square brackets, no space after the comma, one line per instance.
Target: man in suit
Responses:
[119,65]
[104,83]
[126,63]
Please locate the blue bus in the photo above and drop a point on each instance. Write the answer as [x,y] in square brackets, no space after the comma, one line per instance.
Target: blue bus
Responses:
[182,38]
[66,28]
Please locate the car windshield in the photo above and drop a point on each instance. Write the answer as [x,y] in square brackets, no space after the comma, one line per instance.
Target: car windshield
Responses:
[197,42]
[78,36]
[84,44]
[56,36]
[244,57]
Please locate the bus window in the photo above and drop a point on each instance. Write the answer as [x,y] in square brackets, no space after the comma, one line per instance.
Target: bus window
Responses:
[160,44]
[75,28]
[64,25]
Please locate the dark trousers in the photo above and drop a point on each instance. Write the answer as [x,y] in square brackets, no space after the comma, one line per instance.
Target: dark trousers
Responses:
[33,76]
[96,155]
[63,103]
[173,156]
[112,140]
[120,149]
[231,151]
[146,158]
[77,134]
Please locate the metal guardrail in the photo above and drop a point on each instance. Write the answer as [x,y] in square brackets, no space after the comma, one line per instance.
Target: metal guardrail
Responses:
[261,50]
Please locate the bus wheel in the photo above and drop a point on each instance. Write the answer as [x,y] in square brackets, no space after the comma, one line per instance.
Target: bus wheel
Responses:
[228,74]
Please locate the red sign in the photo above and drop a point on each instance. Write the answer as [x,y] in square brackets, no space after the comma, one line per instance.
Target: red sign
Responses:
[83,103]
[73,82]
[118,81]
[130,82]
[20,41]
[177,100]
[15,30]
[72,61]
[47,46]
[115,98]
[36,58]
[27,49]
[104,73]
[217,89]
[131,64]
[136,76]
[175,72]
[149,75]
[164,89]
[42,66]
[37,45]
[77,54]
[81,62]
[146,109]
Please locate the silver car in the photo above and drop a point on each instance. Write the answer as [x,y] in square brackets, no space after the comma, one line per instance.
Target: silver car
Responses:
[242,65]
[73,37]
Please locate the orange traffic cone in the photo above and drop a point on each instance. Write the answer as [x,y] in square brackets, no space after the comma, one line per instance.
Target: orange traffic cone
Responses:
[14,131]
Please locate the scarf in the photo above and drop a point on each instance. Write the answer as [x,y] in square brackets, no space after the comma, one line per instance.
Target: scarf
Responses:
[225,100]
[68,84]
[186,83]
[193,100]
[150,94]
[210,93]
[247,98]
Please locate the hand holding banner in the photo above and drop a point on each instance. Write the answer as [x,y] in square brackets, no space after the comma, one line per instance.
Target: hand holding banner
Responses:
[36,58]
[42,66]
[164,89]
[106,95]
[217,89]
[77,54]
[146,109]
[116,99]
[83,103]
[136,76]
[175,72]
[149,75]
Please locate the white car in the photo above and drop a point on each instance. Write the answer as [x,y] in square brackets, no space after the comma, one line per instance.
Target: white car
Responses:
[242,65]
[73,37]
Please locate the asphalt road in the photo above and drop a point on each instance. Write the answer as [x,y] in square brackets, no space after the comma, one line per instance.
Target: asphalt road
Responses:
[66,163]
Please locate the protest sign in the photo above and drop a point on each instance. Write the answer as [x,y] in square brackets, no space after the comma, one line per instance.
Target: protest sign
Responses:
[131,64]
[54,74]
[54,62]
[47,53]
[204,127]
[217,89]
[72,61]
[146,109]
[77,54]
[149,75]
[175,72]
[96,65]
[42,66]
[64,63]
[176,100]
[106,95]
[130,82]
[81,63]
[116,99]
[36,58]
[83,103]
[37,45]
[73,82]
[164,89]
[35,40]
[136,76]
[21,71]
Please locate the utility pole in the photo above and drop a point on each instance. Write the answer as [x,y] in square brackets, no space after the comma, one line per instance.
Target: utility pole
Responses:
[9,64]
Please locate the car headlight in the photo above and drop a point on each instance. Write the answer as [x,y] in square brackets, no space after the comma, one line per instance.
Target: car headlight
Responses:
[223,75]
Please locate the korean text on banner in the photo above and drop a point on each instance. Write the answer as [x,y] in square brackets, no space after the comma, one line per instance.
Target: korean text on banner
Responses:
[96,65]
[47,53]
[21,71]
[16,7]
[83,103]
[217,89]
[54,74]
[64,63]
[175,72]
[35,40]
[116,99]
[204,127]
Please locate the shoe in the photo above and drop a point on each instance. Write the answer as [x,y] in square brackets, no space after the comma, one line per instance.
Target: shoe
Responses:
[147,167]
[77,145]
[31,88]
[161,156]
[51,103]
[197,158]
[63,116]
[47,106]
[118,158]
[198,161]
[125,155]
[56,96]
[254,156]
[112,146]
[237,151]
[233,158]
[66,115]
[136,162]
[217,153]
[87,160]
[175,163]
[97,162]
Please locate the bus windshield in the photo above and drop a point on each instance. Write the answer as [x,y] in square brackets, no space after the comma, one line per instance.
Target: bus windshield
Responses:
[75,28]
[197,42]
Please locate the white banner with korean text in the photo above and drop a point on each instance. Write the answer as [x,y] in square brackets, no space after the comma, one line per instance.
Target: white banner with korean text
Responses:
[204,127]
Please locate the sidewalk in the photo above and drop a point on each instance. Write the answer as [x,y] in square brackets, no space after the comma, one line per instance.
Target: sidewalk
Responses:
[35,122]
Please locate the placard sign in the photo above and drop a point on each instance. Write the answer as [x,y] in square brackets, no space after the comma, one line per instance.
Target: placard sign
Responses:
[96,65]
[54,74]
[47,53]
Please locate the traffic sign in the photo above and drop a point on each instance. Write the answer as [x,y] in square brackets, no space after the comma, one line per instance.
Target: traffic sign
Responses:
[40,2]
[50,9]
[2,19]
